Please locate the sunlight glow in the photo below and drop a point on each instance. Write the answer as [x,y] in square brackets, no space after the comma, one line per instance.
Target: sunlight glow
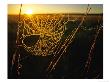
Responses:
[29,12]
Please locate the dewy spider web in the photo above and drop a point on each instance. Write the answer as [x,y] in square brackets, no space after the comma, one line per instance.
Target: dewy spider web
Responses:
[48,30]
[40,34]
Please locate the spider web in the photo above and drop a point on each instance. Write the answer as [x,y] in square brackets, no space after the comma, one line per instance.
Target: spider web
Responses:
[40,34]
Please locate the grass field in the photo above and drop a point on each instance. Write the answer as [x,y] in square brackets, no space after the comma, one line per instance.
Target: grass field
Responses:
[71,53]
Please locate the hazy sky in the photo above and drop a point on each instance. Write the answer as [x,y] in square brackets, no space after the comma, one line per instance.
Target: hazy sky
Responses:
[54,8]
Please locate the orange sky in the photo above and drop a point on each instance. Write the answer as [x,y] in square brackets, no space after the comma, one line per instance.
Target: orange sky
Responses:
[54,8]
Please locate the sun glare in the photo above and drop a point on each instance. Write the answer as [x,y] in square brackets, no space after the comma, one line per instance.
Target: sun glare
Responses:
[29,12]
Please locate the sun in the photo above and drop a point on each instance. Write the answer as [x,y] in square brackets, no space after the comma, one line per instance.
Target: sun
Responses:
[29,12]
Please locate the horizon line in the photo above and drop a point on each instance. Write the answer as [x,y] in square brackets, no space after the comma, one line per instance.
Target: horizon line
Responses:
[56,13]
